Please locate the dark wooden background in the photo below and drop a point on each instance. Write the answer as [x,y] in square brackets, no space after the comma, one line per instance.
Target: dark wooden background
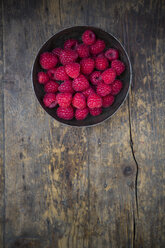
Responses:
[98,187]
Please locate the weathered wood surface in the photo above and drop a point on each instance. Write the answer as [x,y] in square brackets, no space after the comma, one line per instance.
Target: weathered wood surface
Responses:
[89,187]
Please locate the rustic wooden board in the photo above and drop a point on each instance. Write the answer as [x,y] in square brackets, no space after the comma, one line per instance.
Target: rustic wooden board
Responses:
[83,187]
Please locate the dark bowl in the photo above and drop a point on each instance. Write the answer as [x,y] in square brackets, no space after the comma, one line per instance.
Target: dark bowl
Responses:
[57,40]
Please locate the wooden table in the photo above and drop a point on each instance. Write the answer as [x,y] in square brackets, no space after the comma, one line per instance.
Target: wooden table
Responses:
[98,187]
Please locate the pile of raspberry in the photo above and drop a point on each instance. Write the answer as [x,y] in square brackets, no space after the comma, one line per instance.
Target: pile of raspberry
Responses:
[81,78]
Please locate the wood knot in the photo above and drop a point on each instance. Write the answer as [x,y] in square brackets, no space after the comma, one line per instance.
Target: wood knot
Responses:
[127,171]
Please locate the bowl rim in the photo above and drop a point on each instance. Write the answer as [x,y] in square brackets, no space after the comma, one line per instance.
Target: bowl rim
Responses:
[130,66]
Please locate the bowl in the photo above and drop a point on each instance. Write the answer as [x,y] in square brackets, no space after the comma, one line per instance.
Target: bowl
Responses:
[76,32]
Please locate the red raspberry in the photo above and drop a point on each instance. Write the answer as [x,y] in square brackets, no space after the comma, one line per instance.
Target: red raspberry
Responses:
[95,111]
[73,70]
[95,77]
[79,101]
[94,101]
[57,51]
[48,60]
[80,83]
[88,37]
[50,100]
[81,114]
[60,74]
[64,99]
[43,77]
[51,73]
[116,87]
[65,113]
[71,44]
[103,89]
[68,56]
[118,66]
[83,51]
[66,87]
[51,87]
[112,54]
[97,47]
[87,65]
[108,101]
[101,63]
[108,76]
[87,92]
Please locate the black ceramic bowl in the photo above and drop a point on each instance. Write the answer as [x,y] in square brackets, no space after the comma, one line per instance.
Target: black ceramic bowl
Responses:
[57,40]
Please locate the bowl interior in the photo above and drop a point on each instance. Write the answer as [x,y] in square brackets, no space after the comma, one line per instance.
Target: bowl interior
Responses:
[57,41]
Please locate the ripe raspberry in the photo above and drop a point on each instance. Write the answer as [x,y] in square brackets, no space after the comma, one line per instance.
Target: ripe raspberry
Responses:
[83,51]
[79,101]
[73,70]
[112,54]
[108,76]
[66,87]
[51,73]
[101,63]
[60,74]
[64,99]
[57,51]
[65,113]
[80,83]
[95,77]
[51,87]
[108,101]
[68,56]
[118,66]
[43,77]
[95,111]
[48,60]
[116,87]
[87,65]
[88,37]
[50,100]
[103,89]
[97,47]
[81,114]
[87,92]
[71,44]
[94,101]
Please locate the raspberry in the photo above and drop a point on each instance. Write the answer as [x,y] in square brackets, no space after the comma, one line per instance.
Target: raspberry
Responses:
[87,92]
[73,70]
[95,111]
[83,51]
[71,44]
[112,54]
[81,114]
[94,101]
[50,100]
[108,101]
[64,99]
[87,65]
[103,89]
[116,87]
[66,87]
[48,60]
[97,47]
[108,76]
[51,73]
[60,73]
[65,113]
[95,77]
[80,83]
[67,56]
[101,63]
[43,77]
[79,101]
[51,87]
[57,51]
[88,37]
[118,66]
